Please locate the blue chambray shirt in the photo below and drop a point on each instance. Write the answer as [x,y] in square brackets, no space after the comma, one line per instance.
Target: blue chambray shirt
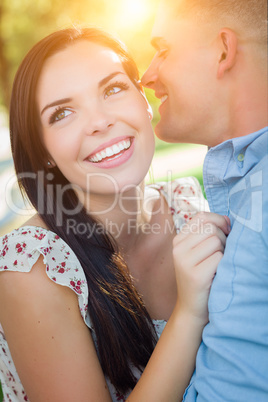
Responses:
[232,361]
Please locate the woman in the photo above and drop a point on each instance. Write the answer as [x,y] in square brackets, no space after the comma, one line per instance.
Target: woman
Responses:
[82,144]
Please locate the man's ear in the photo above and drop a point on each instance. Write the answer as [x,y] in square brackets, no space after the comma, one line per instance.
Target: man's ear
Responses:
[228,45]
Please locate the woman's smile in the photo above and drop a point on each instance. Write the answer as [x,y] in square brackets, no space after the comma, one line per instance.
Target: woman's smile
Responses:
[112,154]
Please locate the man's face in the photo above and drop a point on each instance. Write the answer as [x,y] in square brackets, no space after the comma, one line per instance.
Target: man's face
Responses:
[183,75]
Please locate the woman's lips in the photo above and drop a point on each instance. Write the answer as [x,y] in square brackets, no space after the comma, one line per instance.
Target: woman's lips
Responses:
[113,155]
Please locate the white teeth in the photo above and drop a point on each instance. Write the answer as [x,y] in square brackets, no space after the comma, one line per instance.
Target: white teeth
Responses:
[116,149]
[110,151]
[164,98]
[126,143]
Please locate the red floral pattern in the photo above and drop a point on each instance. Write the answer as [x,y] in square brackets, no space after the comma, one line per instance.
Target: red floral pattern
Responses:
[20,249]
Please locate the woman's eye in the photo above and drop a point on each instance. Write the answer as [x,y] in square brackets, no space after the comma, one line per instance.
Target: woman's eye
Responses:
[115,88]
[112,91]
[59,114]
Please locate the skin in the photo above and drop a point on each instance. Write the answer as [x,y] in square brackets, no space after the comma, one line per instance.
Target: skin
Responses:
[96,114]
[215,79]
[40,336]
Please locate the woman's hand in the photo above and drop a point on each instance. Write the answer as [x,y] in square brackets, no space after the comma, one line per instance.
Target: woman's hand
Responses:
[197,251]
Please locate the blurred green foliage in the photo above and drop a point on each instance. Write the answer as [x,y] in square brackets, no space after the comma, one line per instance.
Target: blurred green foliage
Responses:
[24,22]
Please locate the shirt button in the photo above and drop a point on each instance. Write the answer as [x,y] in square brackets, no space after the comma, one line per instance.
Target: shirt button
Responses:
[241,157]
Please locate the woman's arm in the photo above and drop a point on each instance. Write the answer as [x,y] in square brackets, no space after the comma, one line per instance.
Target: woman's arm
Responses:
[197,252]
[53,350]
[51,346]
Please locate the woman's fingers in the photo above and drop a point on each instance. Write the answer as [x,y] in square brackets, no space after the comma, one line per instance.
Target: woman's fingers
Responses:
[194,247]
[221,221]
[203,223]
[192,238]
[197,251]
[209,267]
[197,248]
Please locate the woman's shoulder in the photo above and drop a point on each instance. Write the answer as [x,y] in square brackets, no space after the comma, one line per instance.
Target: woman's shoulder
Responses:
[30,232]
[21,249]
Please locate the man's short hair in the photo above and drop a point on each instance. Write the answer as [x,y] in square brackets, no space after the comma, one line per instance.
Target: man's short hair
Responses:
[248,16]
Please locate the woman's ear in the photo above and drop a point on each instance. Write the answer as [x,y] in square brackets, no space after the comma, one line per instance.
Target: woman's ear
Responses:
[228,53]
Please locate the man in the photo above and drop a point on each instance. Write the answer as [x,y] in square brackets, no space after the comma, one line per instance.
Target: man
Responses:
[210,72]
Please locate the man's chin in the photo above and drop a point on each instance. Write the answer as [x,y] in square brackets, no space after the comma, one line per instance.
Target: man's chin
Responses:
[163,132]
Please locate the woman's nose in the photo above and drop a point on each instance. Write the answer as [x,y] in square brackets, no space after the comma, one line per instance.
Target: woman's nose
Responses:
[98,121]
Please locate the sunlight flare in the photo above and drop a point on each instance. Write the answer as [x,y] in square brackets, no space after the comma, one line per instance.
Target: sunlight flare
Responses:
[133,12]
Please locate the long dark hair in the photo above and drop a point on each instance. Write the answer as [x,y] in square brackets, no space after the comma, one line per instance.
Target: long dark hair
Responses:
[122,325]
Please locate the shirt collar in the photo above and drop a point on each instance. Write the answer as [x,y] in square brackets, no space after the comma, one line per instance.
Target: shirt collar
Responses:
[240,143]
[248,147]
[235,157]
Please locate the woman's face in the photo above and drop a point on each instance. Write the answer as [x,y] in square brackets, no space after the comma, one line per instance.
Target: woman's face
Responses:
[95,122]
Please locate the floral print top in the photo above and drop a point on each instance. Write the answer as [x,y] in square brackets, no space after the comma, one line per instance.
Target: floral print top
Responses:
[20,249]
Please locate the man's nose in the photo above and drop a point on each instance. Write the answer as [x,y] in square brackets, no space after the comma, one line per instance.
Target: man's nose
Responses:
[151,74]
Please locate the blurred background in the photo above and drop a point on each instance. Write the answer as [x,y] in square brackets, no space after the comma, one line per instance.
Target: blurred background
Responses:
[24,22]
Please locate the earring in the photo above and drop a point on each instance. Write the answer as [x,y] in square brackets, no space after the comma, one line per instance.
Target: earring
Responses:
[49,163]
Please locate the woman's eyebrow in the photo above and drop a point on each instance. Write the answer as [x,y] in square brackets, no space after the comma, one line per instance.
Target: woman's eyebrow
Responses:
[109,77]
[56,103]
[66,100]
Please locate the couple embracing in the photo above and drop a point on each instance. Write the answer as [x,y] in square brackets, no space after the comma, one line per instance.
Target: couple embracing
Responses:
[145,315]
